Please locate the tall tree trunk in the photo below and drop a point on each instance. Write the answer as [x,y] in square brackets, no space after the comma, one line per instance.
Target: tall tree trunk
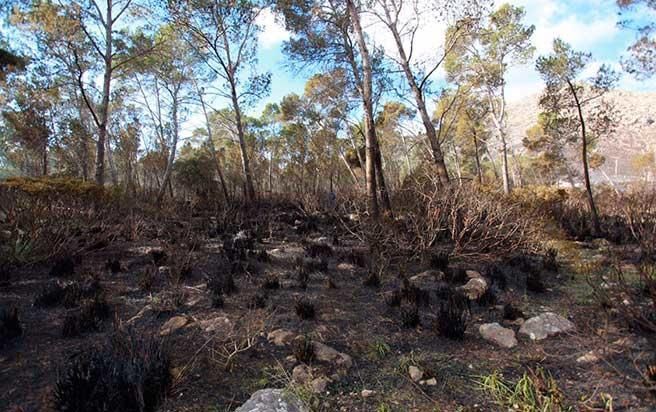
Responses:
[210,144]
[479,173]
[380,177]
[431,133]
[172,149]
[110,161]
[366,95]
[104,105]
[504,164]
[249,189]
[584,156]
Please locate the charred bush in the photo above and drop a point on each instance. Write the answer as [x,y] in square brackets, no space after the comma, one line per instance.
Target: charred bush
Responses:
[271,282]
[393,298]
[488,298]
[372,280]
[497,275]
[413,294]
[113,265]
[10,325]
[217,299]
[356,257]
[510,312]
[534,282]
[88,318]
[550,260]
[146,279]
[452,317]
[158,257]
[311,265]
[439,261]
[62,267]
[410,316]
[128,373]
[305,309]
[222,283]
[318,250]
[303,349]
[68,295]
[456,275]
[258,301]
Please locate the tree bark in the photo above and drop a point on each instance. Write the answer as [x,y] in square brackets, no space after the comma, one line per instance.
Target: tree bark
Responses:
[210,144]
[431,133]
[173,146]
[584,155]
[366,95]
[104,105]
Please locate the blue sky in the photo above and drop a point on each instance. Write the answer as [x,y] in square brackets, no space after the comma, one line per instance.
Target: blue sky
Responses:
[589,25]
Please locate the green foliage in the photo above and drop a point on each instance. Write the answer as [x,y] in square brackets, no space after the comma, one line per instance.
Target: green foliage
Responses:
[535,391]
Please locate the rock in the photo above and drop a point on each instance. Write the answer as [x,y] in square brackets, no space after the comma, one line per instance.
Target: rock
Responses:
[273,400]
[474,288]
[431,382]
[545,325]
[415,373]
[472,274]
[219,323]
[324,353]
[497,334]
[428,280]
[320,384]
[367,393]
[243,240]
[281,337]
[590,357]
[302,374]
[346,267]
[164,271]
[172,325]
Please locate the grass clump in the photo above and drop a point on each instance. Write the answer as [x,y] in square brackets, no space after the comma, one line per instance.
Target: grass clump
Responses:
[535,391]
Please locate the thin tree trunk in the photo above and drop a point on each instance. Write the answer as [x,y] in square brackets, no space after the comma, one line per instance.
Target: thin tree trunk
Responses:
[104,105]
[249,189]
[584,155]
[366,94]
[479,173]
[431,133]
[210,144]
[172,149]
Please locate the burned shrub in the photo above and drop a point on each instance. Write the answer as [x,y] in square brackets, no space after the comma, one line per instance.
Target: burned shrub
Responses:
[452,317]
[113,265]
[68,295]
[5,274]
[158,256]
[222,283]
[146,279]
[372,280]
[413,294]
[356,257]
[271,282]
[10,325]
[217,300]
[262,256]
[488,298]
[311,265]
[302,276]
[62,267]
[129,373]
[410,316]
[304,309]
[330,283]
[456,275]
[258,301]
[534,282]
[88,318]
[510,312]
[317,250]
[550,260]
[303,349]
[497,275]
[393,298]
[307,226]
[439,261]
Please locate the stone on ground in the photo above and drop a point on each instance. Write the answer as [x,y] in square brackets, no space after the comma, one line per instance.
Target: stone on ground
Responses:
[497,334]
[415,373]
[173,325]
[272,400]
[474,288]
[546,325]
[325,353]
[281,337]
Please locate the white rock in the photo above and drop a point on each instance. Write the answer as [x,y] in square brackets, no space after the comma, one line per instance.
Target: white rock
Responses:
[273,400]
[219,323]
[301,374]
[415,373]
[367,393]
[497,334]
[320,384]
[431,382]
[474,288]
[325,353]
[545,325]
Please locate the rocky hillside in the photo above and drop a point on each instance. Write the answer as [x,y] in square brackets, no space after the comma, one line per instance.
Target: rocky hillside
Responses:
[636,132]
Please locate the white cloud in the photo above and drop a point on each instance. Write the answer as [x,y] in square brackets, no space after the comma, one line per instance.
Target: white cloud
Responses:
[273,32]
